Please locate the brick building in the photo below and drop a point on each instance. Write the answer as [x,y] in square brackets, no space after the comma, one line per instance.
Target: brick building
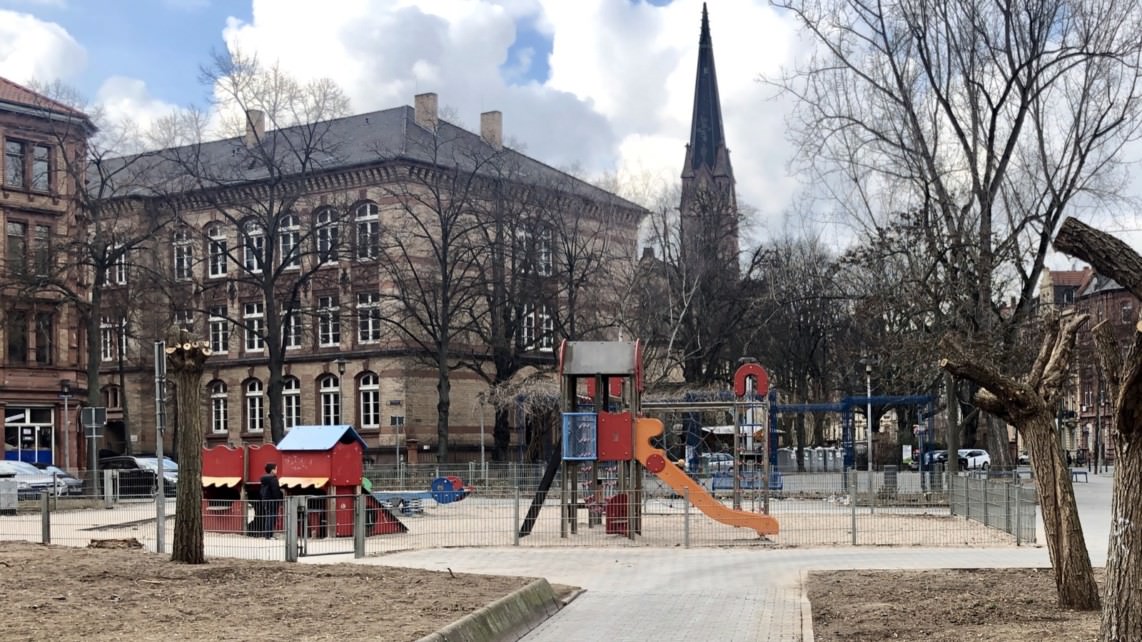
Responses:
[43,338]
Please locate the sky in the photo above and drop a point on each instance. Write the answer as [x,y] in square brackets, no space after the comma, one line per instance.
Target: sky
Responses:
[600,87]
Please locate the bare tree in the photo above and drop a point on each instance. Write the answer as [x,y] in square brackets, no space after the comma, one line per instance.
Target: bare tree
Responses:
[187,359]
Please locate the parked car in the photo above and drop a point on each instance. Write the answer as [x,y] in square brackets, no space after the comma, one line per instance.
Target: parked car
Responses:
[930,457]
[137,475]
[31,482]
[717,462]
[974,459]
[65,482]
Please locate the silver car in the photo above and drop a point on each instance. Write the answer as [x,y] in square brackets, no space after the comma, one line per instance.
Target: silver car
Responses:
[31,482]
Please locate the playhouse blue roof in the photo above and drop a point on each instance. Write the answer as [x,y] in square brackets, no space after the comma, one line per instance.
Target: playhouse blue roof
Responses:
[318,437]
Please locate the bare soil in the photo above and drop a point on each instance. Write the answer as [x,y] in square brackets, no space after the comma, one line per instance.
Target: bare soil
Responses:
[1014,605]
[63,593]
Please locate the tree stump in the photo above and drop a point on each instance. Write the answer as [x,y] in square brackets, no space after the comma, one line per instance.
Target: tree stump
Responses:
[186,361]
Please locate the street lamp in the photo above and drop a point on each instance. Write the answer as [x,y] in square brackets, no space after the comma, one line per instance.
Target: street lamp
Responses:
[65,432]
[341,363]
[868,399]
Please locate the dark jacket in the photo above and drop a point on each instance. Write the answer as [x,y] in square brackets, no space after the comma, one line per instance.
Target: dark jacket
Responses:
[271,489]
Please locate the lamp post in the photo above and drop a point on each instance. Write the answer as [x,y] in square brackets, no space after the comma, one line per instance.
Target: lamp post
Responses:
[483,466]
[341,363]
[65,431]
[868,399]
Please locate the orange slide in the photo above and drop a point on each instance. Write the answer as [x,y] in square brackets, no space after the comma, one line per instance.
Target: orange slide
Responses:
[656,462]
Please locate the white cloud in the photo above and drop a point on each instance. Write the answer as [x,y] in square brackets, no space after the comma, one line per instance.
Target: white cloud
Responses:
[125,99]
[33,49]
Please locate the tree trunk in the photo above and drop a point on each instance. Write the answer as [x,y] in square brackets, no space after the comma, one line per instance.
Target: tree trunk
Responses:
[1121,616]
[1074,577]
[443,405]
[186,363]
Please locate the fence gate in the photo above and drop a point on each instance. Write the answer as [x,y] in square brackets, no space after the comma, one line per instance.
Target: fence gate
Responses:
[322,525]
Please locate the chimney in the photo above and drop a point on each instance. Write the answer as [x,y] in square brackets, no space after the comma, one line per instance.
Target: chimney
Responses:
[425,107]
[255,126]
[492,129]
[648,253]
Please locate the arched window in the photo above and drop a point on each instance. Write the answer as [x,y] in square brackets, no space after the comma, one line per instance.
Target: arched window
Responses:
[368,220]
[183,255]
[218,414]
[255,417]
[370,393]
[291,401]
[329,388]
[253,246]
[327,235]
[289,232]
[217,250]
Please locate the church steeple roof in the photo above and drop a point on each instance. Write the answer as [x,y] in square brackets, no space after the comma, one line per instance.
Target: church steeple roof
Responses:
[707,147]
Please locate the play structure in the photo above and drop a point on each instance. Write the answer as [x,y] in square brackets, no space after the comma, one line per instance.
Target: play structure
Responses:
[323,463]
[442,490]
[602,424]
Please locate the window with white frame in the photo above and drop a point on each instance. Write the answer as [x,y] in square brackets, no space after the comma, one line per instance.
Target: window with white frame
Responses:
[368,317]
[183,255]
[329,390]
[117,271]
[543,262]
[546,329]
[370,393]
[218,250]
[184,319]
[527,327]
[218,413]
[219,330]
[109,332]
[368,219]
[289,233]
[328,321]
[255,417]
[291,327]
[253,246]
[254,318]
[112,397]
[291,402]
[327,234]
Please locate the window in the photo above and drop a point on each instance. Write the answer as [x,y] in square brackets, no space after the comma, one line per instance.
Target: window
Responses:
[44,343]
[253,315]
[219,330]
[117,271]
[254,416]
[17,248]
[527,327]
[291,402]
[107,339]
[27,171]
[546,329]
[368,230]
[217,250]
[183,256]
[17,334]
[42,251]
[368,317]
[328,321]
[1127,312]
[370,391]
[290,232]
[543,253]
[184,319]
[291,328]
[326,235]
[330,391]
[253,247]
[112,397]
[537,328]
[218,415]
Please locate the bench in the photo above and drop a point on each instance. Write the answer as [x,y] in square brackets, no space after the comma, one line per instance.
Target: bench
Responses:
[1076,473]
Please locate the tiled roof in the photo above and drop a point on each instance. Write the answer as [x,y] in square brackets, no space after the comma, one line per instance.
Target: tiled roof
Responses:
[15,94]
[1072,278]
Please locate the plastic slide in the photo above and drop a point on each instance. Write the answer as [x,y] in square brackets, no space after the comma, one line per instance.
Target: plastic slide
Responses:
[655,461]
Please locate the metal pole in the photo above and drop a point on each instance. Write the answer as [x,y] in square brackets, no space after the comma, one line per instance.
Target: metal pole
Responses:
[483,464]
[868,417]
[160,429]
[66,433]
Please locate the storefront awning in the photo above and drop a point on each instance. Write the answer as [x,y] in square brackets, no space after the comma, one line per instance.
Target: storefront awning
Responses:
[220,482]
[303,482]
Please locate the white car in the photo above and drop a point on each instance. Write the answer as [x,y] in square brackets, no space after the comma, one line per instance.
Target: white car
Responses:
[974,458]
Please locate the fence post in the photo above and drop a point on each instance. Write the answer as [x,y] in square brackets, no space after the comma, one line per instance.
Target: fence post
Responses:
[852,477]
[515,516]
[291,506]
[986,500]
[358,526]
[109,483]
[686,517]
[45,518]
[1018,513]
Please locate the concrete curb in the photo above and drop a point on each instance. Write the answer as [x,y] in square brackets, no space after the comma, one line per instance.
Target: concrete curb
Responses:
[806,610]
[509,618]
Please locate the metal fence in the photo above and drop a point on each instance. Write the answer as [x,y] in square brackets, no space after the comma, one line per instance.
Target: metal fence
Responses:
[487,505]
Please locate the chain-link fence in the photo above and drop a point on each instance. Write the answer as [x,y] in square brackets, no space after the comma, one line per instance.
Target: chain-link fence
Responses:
[410,508]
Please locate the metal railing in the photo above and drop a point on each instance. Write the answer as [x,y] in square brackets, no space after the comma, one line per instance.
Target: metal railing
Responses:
[1001,504]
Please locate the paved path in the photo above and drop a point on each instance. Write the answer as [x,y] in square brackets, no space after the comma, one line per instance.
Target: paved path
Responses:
[719,594]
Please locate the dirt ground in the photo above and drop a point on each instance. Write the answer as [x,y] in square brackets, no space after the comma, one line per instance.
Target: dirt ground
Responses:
[63,593]
[1014,605]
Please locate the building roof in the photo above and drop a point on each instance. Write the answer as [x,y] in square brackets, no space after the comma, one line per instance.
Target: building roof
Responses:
[318,438]
[707,147]
[337,144]
[17,96]
[1070,278]
[1097,284]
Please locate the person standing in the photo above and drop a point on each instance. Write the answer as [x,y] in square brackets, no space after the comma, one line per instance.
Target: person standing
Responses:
[272,496]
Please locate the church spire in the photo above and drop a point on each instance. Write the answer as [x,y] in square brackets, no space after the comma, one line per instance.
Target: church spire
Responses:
[707,149]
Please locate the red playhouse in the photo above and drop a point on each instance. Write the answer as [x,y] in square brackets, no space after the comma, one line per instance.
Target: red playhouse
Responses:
[326,463]
[223,477]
